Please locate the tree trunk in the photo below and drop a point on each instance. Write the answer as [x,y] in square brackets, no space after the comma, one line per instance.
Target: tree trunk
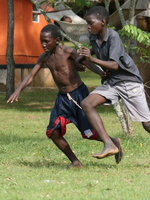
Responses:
[9,52]
[131,21]
[120,107]
[119,9]
[124,118]
[107,3]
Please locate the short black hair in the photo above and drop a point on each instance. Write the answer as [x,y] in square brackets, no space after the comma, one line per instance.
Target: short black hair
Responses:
[53,30]
[63,18]
[99,12]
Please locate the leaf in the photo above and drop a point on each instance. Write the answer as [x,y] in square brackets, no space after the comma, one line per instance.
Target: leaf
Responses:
[39,154]
[135,31]
[88,3]
[139,31]
[43,2]
[81,2]
[140,38]
[127,28]
[51,1]
[131,29]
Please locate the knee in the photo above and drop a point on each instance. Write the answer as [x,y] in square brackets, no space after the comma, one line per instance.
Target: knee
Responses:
[146,126]
[85,104]
[52,135]
[49,133]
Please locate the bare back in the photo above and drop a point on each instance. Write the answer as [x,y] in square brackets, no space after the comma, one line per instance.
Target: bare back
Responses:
[62,67]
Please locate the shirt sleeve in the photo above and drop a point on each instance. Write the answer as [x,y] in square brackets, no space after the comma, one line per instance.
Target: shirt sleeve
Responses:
[116,49]
[118,54]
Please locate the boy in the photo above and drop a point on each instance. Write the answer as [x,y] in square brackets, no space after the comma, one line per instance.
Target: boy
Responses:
[124,81]
[60,60]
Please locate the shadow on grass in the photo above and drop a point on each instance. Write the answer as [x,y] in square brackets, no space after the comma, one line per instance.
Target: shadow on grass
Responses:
[39,101]
[48,163]
[41,164]
[7,139]
[31,101]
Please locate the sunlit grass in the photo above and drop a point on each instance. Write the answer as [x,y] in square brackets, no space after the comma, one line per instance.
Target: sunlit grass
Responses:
[33,168]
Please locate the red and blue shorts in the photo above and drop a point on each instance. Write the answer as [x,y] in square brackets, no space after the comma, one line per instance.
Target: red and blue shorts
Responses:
[65,111]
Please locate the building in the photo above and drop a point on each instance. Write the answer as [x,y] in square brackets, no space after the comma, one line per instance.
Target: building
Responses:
[27,26]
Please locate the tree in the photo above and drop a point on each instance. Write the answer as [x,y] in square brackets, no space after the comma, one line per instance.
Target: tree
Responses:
[127,32]
[9,52]
[120,107]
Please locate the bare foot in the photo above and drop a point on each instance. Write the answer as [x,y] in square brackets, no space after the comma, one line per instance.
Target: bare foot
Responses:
[75,164]
[119,155]
[107,151]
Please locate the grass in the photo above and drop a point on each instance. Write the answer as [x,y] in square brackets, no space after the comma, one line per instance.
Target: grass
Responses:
[32,168]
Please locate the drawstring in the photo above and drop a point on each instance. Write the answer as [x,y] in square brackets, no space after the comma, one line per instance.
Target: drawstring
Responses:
[70,98]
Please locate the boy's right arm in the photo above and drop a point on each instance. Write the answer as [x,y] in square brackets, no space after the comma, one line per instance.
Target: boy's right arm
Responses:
[26,81]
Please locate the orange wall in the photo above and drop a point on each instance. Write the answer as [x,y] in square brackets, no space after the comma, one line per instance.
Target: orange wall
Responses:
[27,45]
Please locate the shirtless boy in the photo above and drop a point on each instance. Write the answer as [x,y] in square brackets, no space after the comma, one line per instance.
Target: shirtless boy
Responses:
[60,60]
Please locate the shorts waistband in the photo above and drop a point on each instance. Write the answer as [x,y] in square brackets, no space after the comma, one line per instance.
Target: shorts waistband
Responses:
[76,89]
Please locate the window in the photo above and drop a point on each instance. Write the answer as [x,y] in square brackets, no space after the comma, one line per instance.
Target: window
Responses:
[35,16]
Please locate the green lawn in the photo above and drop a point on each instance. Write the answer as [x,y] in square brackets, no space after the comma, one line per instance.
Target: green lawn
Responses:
[32,168]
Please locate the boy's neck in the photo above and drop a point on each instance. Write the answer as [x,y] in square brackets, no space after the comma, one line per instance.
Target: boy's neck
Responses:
[56,49]
[102,34]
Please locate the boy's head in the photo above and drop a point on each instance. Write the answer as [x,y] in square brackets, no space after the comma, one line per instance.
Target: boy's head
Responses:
[50,37]
[52,29]
[97,20]
[99,12]
[66,19]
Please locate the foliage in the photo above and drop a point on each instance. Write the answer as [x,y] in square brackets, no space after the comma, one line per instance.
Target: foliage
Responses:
[83,3]
[145,54]
[140,36]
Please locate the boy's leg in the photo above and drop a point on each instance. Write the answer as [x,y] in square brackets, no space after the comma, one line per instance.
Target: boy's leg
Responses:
[134,97]
[63,145]
[146,126]
[89,104]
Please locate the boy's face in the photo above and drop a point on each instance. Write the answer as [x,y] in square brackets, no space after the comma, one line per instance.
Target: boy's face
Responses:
[95,26]
[48,42]
[68,19]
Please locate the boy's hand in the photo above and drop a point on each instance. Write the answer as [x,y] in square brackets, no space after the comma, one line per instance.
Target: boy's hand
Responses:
[13,97]
[83,51]
[80,67]
[105,75]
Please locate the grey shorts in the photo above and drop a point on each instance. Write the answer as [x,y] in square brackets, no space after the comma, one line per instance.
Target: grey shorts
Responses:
[131,93]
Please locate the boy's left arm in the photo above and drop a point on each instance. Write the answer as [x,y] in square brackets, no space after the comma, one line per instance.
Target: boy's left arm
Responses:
[94,68]
[108,65]
[79,61]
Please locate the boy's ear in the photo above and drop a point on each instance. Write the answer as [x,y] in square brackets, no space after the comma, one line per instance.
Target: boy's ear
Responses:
[103,21]
[57,40]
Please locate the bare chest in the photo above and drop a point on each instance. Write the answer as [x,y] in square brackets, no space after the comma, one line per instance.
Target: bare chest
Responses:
[57,63]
